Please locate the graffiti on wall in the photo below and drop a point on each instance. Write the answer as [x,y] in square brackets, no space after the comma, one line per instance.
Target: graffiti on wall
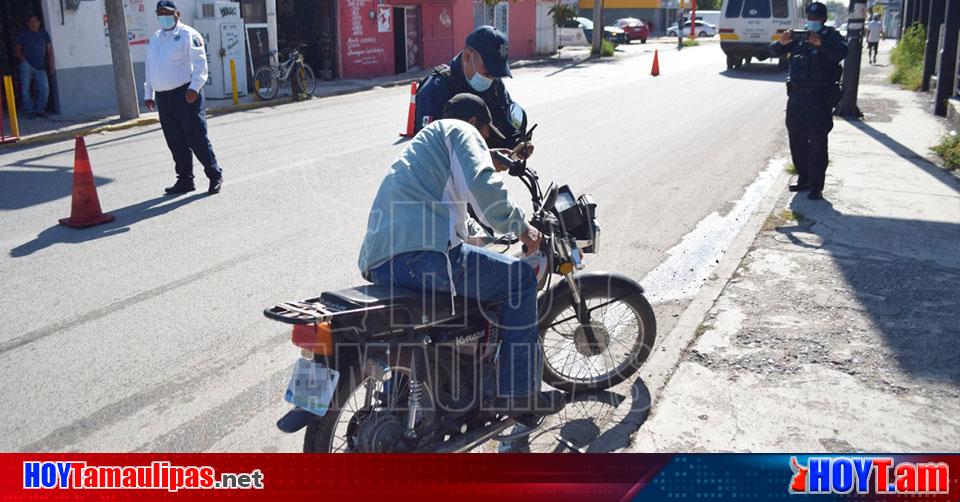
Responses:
[362,49]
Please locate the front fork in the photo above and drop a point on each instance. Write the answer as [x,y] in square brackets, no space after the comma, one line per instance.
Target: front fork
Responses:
[579,302]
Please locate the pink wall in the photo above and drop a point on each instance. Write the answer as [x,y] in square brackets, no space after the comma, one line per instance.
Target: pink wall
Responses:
[462,23]
[523,28]
[365,52]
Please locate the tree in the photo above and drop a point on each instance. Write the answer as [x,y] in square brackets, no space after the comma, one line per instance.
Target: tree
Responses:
[562,13]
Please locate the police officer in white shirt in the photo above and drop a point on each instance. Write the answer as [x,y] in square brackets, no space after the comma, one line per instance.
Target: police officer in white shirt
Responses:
[176,69]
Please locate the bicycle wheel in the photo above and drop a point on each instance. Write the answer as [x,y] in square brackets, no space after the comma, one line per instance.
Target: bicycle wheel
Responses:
[265,83]
[307,81]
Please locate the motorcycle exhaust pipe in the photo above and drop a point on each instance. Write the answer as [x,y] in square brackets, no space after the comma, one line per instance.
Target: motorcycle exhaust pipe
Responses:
[470,440]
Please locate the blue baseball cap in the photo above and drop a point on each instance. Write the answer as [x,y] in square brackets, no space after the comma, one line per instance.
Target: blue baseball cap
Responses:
[817,9]
[493,48]
[166,5]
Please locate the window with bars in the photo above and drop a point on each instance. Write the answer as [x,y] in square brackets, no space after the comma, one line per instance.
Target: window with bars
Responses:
[493,15]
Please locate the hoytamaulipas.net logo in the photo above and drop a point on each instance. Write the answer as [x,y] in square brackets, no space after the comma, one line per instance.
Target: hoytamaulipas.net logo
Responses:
[156,476]
[876,475]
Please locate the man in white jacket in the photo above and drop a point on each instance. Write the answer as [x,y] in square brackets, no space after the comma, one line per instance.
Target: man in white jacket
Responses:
[176,70]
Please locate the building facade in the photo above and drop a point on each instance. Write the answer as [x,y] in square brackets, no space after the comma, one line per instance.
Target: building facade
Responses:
[342,38]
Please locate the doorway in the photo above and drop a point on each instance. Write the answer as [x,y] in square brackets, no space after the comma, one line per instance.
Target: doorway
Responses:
[13,19]
[406,39]
[310,22]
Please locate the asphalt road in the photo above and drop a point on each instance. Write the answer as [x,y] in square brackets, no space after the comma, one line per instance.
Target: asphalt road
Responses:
[145,334]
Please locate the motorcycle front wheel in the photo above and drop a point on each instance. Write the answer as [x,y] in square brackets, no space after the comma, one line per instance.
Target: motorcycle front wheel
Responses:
[624,327]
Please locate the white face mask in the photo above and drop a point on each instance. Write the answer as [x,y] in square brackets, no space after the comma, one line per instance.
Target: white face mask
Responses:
[167,22]
[478,82]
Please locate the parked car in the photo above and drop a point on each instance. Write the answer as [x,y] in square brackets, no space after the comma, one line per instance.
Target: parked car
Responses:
[704,29]
[611,33]
[635,28]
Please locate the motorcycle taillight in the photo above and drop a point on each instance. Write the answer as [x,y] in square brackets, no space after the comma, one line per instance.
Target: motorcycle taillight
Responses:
[316,338]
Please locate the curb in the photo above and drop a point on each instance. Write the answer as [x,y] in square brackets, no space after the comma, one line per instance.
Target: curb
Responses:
[659,371]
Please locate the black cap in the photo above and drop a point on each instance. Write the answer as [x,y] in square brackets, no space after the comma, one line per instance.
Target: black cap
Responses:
[465,106]
[817,9]
[166,5]
[493,48]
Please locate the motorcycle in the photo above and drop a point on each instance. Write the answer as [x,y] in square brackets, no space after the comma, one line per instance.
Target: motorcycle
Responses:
[384,369]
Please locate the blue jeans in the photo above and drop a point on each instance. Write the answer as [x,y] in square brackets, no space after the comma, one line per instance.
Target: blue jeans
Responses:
[27,74]
[484,275]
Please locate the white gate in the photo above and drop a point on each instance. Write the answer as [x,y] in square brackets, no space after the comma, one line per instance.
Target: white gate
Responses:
[546,31]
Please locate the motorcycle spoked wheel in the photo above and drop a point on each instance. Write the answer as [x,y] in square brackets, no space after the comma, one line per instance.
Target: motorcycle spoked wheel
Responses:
[627,332]
[337,431]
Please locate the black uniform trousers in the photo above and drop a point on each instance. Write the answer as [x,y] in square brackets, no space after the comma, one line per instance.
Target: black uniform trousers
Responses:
[809,121]
[185,129]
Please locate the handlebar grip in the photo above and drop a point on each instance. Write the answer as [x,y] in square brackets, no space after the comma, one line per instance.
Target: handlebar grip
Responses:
[507,161]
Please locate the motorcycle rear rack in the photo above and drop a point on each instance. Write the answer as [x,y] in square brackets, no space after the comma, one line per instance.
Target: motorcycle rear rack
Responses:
[310,311]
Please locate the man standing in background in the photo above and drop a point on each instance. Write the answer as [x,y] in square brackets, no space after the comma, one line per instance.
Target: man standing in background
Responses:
[35,53]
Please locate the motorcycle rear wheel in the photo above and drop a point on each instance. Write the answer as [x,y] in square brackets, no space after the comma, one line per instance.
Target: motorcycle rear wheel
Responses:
[336,432]
[627,346]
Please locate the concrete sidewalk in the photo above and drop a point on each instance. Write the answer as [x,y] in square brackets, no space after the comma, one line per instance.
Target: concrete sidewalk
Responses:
[840,330]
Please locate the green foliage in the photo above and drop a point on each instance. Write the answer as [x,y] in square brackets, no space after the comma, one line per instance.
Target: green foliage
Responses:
[949,151]
[606,48]
[907,58]
[708,4]
[689,42]
[562,13]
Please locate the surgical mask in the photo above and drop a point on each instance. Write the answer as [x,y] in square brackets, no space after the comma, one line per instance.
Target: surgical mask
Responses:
[167,22]
[478,82]
[814,26]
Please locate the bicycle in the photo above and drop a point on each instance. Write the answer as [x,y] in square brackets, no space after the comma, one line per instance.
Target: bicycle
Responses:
[267,79]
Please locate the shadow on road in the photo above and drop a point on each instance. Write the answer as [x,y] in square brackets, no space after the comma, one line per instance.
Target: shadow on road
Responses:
[762,72]
[21,189]
[125,217]
[594,422]
[570,65]
[904,274]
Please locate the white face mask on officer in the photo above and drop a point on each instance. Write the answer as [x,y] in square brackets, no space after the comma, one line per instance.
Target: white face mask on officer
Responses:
[167,21]
[478,82]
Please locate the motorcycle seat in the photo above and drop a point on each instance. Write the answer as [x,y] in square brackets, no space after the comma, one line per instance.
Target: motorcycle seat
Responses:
[424,307]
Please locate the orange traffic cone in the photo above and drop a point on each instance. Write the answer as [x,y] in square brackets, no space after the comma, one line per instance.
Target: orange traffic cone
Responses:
[85,210]
[412,114]
[655,71]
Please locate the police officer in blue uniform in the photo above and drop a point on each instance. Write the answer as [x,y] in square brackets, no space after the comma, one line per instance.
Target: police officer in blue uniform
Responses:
[479,70]
[176,70]
[813,92]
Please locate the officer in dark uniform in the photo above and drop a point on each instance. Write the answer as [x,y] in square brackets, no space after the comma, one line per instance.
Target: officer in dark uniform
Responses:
[479,70]
[813,91]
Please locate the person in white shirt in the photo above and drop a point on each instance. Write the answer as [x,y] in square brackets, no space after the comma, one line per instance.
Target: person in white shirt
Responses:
[874,34]
[176,70]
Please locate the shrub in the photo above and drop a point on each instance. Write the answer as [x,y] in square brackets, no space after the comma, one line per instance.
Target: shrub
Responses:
[606,48]
[907,57]
[949,151]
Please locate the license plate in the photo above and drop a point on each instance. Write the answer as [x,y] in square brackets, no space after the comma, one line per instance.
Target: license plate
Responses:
[311,386]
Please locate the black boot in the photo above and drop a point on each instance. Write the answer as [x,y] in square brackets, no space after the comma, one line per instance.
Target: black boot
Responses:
[215,185]
[181,186]
[799,187]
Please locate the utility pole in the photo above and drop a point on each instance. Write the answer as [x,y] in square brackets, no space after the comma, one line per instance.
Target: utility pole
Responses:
[851,66]
[127,101]
[597,26]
